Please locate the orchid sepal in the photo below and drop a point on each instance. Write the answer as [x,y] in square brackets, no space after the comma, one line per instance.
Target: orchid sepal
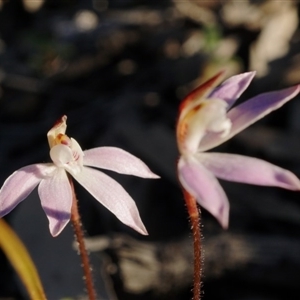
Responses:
[202,185]
[248,112]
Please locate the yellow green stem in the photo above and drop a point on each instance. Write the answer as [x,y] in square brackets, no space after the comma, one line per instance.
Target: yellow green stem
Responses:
[20,259]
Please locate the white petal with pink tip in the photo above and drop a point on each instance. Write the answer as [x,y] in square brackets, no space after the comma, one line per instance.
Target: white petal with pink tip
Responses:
[112,195]
[231,89]
[248,113]
[202,184]
[117,160]
[20,184]
[250,170]
[56,199]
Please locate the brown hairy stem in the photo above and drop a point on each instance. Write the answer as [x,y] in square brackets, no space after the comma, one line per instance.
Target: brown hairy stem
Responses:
[194,214]
[77,226]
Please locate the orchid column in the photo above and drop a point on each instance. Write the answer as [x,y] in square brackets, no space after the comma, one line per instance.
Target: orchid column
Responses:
[205,121]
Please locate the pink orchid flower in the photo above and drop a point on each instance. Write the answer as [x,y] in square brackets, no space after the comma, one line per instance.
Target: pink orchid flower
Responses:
[54,188]
[207,120]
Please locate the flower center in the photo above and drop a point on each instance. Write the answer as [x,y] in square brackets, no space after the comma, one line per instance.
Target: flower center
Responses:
[67,153]
[62,139]
[217,120]
[204,117]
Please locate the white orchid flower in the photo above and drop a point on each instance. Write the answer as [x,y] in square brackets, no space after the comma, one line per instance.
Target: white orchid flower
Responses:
[68,159]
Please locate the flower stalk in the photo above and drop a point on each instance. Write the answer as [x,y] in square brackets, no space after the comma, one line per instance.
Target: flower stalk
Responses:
[77,226]
[194,214]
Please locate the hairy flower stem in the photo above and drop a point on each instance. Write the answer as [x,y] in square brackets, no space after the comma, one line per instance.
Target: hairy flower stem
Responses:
[194,214]
[77,226]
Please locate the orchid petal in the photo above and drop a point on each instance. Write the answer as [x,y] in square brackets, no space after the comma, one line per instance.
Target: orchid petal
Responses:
[56,199]
[250,170]
[202,184]
[77,152]
[117,160]
[249,112]
[231,89]
[112,195]
[20,184]
[68,158]
[61,155]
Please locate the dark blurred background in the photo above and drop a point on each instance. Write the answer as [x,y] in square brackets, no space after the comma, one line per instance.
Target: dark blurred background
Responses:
[118,69]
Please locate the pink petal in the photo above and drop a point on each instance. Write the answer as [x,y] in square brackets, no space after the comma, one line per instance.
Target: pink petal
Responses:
[248,170]
[112,195]
[19,185]
[249,112]
[231,89]
[118,160]
[202,184]
[56,198]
